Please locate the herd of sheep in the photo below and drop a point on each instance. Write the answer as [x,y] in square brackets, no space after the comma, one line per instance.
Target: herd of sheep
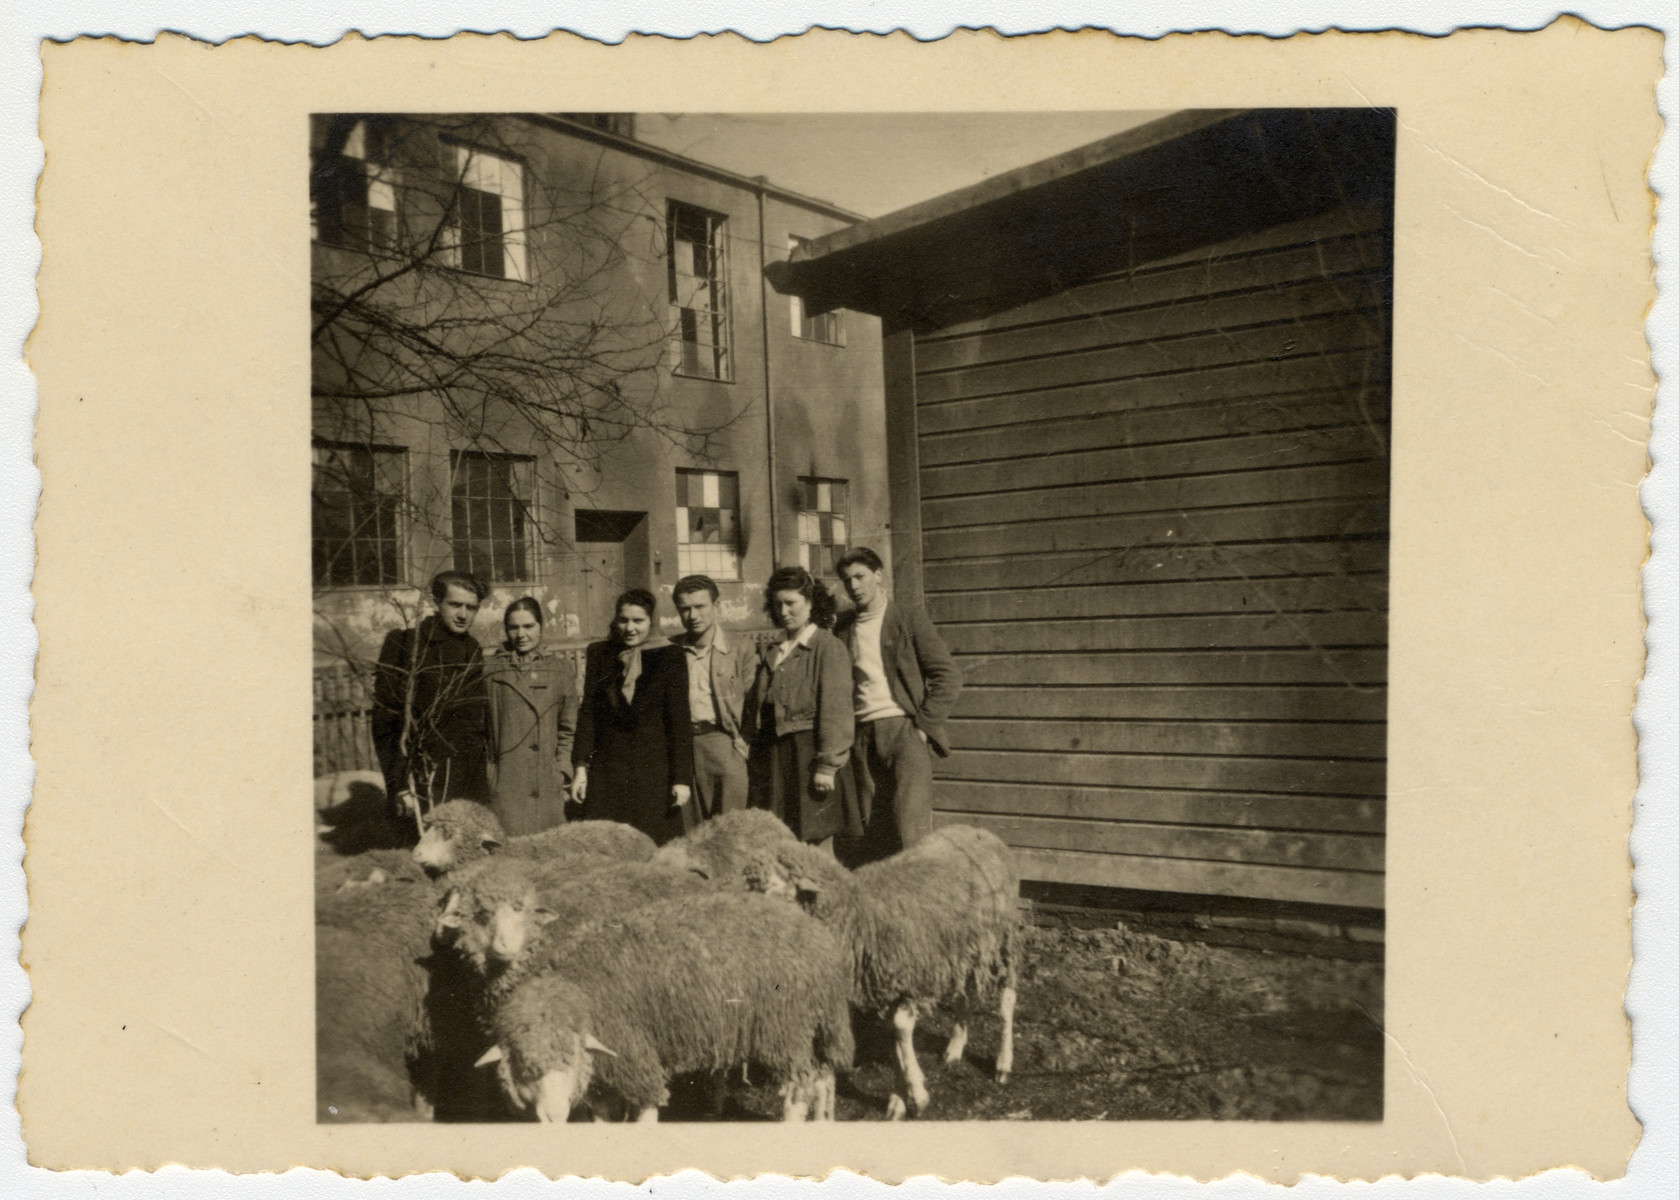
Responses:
[590,969]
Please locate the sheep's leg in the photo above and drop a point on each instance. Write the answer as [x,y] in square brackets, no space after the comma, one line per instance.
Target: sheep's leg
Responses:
[811,1097]
[1005,1047]
[648,1115]
[958,1030]
[793,1098]
[718,1097]
[909,1070]
[827,1091]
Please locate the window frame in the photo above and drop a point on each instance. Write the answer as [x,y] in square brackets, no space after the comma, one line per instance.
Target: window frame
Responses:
[513,238]
[719,313]
[399,457]
[804,326]
[524,515]
[364,145]
[809,516]
[687,560]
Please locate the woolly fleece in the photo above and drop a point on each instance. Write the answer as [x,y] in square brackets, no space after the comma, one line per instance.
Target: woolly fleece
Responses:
[701,983]
[929,924]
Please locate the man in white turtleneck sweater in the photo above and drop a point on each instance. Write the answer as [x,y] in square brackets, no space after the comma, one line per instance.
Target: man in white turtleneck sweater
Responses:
[906,684]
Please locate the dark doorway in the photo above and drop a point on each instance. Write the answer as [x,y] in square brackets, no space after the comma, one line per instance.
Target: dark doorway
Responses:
[612,555]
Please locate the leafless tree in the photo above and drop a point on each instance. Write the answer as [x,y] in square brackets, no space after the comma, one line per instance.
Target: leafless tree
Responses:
[491,284]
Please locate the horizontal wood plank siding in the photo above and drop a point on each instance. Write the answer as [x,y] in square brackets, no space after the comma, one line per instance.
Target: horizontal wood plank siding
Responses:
[1261,810]
[1154,517]
[1358,889]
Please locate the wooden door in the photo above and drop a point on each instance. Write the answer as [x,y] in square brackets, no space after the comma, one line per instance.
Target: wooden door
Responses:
[609,548]
[601,565]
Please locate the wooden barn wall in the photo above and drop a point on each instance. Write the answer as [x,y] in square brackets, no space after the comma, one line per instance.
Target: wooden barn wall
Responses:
[1154,529]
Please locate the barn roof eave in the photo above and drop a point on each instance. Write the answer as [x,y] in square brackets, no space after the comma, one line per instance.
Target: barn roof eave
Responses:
[843,264]
[1144,192]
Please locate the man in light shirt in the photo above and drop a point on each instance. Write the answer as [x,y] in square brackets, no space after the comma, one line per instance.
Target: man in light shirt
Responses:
[906,685]
[719,672]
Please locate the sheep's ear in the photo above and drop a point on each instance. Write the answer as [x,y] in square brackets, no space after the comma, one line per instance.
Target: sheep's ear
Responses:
[591,1042]
[492,1055]
[543,916]
[450,918]
[678,857]
[490,842]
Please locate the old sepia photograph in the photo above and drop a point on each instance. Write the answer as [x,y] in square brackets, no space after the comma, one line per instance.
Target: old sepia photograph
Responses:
[850,617]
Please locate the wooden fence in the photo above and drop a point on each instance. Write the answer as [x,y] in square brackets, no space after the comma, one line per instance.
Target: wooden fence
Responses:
[344,707]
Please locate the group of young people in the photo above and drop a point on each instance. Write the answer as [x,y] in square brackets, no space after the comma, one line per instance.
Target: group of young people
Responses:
[832,726]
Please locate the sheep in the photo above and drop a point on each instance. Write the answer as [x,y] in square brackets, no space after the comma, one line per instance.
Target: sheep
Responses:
[362,870]
[461,832]
[392,1017]
[506,916]
[370,1000]
[935,922]
[698,983]
[721,848]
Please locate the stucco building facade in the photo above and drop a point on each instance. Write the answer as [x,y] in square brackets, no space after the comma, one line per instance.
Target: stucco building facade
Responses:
[547,353]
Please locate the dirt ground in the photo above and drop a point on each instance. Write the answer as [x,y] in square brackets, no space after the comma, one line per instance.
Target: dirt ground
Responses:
[1118,1024]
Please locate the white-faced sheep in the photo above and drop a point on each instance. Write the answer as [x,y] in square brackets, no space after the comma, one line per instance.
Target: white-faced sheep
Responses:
[504,915]
[700,983]
[370,1001]
[461,832]
[723,848]
[936,923]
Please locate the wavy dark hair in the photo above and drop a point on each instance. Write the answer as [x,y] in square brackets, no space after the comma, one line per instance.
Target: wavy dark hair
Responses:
[641,598]
[528,604]
[823,609]
[444,580]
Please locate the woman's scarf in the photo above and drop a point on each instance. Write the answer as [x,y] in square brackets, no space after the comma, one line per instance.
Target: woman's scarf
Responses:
[630,659]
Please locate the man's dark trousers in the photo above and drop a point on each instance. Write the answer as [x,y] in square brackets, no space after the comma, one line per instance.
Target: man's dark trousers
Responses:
[894,776]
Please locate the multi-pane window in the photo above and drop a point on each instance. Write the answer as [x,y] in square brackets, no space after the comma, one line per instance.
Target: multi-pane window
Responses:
[708,523]
[356,191]
[492,517]
[822,524]
[487,236]
[697,271]
[823,327]
[356,500]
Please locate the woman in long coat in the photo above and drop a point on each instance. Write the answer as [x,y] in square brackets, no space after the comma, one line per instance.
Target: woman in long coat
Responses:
[533,716]
[633,760]
[799,714]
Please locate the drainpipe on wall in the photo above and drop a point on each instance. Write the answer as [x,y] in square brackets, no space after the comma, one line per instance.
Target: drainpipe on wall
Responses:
[769,401]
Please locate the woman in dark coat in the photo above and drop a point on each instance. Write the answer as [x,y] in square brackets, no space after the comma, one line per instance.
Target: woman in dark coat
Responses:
[533,715]
[633,759]
[799,715]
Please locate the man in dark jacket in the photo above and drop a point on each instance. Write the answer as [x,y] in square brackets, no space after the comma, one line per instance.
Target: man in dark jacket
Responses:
[430,710]
[906,684]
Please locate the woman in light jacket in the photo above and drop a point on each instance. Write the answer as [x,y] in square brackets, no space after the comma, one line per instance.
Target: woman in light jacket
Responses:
[798,713]
[533,714]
